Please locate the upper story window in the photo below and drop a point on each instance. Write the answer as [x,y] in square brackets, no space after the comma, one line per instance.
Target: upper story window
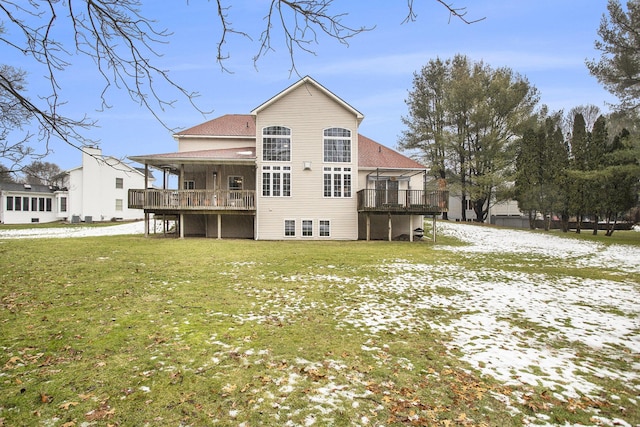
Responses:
[276,144]
[119,183]
[337,145]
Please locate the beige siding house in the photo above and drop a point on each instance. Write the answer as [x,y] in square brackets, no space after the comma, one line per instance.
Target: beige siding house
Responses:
[294,168]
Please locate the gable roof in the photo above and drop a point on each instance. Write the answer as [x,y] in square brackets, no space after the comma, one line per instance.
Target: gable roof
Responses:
[229,125]
[303,81]
[374,155]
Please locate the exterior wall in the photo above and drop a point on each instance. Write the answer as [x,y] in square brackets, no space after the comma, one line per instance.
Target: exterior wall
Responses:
[307,111]
[197,144]
[401,226]
[93,192]
[30,215]
[216,177]
[232,226]
[508,208]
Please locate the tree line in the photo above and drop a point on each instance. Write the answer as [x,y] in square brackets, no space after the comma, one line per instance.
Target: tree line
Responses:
[481,130]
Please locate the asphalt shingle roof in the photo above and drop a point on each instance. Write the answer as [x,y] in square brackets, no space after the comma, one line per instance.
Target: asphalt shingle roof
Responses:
[371,154]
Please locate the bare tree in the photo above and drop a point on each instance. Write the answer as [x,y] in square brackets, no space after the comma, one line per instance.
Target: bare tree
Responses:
[589,112]
[122,42]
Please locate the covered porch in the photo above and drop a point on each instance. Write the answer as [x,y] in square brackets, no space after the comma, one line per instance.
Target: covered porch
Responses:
[215,194]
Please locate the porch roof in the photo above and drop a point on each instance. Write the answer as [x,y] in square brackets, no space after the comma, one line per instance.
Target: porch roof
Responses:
[238,156]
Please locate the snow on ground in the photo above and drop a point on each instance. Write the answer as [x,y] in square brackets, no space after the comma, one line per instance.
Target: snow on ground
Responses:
[483,239]
[79,231]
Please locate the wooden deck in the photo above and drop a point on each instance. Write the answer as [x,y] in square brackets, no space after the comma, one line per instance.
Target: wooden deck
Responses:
[168,201]
[404,202]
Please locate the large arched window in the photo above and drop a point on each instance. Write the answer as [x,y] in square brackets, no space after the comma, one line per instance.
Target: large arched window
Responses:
[337,145]
[276,144]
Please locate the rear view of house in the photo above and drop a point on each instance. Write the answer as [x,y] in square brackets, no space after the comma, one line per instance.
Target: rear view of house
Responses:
[293,168]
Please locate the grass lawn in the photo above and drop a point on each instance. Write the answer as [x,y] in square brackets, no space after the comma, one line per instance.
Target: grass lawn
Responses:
[128,331]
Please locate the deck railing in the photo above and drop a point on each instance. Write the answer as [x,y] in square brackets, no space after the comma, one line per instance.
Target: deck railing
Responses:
[409,201]
[174,200]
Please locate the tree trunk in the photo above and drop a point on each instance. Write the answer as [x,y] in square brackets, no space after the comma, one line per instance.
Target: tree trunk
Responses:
[611,227]
[595,225]
[532,220]
[564,220]
[578,223]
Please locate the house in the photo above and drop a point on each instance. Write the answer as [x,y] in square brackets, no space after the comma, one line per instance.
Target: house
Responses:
[30,203]
[293,168]
[97,190]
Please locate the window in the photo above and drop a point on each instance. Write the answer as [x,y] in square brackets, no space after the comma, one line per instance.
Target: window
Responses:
[235,183]
[276,181]
[337,182]
[9,203]
[289,227]
[324,228]
[18,203]
[63,204]
[118,204]
[276,144]
[189,185]
[307,227]
[25,203]
[119,183]
[49,204]
[41,204]
[337,145]
[34,204]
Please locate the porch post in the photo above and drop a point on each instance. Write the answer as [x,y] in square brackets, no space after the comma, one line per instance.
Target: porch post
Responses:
[181,226]
[146,214]
[411,228]
[219,226]
[368,226]
[389,227]
[434,228]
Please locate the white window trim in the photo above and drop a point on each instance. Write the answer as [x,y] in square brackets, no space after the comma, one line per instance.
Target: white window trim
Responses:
[302,221]
[319,228]
[284,229]
[290,136]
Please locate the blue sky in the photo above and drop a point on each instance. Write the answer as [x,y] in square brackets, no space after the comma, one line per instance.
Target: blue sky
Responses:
[546,41]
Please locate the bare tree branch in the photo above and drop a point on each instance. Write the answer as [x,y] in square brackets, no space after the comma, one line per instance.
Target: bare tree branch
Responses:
[122,43]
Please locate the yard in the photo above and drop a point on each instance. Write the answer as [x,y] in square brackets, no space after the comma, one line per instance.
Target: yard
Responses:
[487,327]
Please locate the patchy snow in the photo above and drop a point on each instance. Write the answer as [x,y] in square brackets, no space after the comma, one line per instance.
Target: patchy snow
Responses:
[484,239]
[559,331]
[73,231]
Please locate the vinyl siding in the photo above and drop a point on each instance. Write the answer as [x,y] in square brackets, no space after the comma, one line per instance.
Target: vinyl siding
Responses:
[307,111]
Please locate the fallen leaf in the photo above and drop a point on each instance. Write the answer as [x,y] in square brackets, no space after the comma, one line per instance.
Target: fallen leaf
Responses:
[45,398]
[67,405]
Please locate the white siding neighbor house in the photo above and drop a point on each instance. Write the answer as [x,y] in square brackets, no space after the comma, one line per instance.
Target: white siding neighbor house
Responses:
[98,189]
[30,203]
[293,168]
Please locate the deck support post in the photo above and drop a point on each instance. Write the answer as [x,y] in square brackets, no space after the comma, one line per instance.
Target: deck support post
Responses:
[390,227]
[181,226]
[368,226]
[411,228]
[219,226]
[434,228]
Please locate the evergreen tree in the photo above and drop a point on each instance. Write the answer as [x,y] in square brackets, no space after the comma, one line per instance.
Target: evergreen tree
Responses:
[541,160]
[620,175]
[576,181]
[619,66]
[464,116]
